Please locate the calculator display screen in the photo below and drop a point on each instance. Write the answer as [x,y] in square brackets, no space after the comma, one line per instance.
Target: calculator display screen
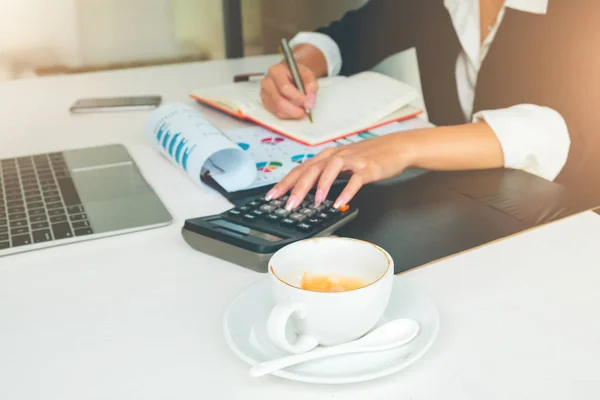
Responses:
[244,230]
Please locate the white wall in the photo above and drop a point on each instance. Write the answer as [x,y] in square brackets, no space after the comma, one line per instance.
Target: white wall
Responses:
[84,32]
[39,24]
[121,31]
[76,32]
[200,26]
[98,32]
[36,32]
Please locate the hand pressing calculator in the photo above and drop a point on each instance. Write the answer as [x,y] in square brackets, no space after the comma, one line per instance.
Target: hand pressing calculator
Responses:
[249,234]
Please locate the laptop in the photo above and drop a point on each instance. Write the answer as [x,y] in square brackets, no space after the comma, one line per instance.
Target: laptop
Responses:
[74,195]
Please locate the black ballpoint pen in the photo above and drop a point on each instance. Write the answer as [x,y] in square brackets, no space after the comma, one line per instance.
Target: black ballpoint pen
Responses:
[291,63]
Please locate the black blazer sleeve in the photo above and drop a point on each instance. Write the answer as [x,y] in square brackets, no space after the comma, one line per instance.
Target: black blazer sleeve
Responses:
[373,32]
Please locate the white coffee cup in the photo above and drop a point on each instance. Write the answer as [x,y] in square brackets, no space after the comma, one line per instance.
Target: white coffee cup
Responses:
[327,318]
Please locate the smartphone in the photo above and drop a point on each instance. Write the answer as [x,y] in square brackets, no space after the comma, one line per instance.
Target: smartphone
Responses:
[102,104]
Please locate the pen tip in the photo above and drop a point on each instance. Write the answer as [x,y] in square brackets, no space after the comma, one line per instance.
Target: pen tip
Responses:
[310,118]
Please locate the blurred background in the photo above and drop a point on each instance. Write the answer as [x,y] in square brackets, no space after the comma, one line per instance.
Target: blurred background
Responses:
[51,37]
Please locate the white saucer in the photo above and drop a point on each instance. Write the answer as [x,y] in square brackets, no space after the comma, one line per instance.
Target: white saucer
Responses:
[244,328]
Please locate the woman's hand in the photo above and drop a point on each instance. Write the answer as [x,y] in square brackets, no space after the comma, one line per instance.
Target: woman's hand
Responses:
[450,148]
[369,161]
[280,96]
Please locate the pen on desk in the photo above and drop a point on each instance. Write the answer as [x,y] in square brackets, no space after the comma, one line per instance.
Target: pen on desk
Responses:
[291,63]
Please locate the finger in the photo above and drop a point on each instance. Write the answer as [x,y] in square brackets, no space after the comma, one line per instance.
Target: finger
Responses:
[289,91]
[279,106]
[291,110]
[283,80]
[285,184]
[303,185]
[311,86]
[353,186]
[290,179]
[269,95]
[330,172]
[309,79]
[268,102]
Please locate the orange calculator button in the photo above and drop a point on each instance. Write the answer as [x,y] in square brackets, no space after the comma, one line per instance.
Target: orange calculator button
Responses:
[344,208]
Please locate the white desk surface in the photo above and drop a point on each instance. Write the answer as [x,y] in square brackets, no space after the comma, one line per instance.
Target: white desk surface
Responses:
[139,316]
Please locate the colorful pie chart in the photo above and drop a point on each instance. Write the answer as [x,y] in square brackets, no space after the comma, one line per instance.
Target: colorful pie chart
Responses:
[300,158]
[268,166]
[272,140]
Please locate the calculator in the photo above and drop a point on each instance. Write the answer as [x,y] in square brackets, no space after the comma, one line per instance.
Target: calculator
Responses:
[250,233]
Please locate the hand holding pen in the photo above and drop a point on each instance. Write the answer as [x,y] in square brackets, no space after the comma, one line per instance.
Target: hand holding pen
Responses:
[291,63]
[284,97]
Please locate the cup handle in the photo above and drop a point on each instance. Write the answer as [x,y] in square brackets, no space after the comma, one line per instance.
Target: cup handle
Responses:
[277,322]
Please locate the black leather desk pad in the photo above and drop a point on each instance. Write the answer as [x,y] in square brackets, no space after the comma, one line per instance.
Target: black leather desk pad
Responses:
[421,218]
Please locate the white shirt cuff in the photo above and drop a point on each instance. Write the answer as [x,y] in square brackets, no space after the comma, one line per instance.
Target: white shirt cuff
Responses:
[326,45]
[533,138]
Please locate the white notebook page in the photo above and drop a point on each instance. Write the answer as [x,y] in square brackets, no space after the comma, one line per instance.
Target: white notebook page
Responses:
[245,96]
[346,106]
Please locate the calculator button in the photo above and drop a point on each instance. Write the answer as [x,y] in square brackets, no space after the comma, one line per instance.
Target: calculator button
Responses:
[315,221]
[258,212]
[276,203]
[320,207]
[235,212]
[272,218]
[327,203]
[250,217]
[288,222]
[282,212]
[304,226]
[344,208]
[322,215]
[267,208]
[245,208]
[334,212]
[310,198]
[298,217]
[284,198]
[307,211]
[255,203]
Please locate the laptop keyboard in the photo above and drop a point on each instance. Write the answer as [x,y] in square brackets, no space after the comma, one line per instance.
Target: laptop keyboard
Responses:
[39,201]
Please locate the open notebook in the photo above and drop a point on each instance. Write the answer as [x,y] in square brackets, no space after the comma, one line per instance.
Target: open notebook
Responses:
[345,106]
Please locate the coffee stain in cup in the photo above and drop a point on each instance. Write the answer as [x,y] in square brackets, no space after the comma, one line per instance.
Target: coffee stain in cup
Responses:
[331,283]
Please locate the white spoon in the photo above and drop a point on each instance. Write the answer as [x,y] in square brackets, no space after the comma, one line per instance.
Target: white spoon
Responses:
[388,336]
